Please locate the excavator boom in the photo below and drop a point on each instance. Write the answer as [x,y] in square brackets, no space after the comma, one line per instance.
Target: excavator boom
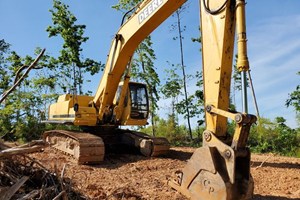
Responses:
[147,17]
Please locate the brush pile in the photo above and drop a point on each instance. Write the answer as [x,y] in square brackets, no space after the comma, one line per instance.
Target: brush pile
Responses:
[22,177]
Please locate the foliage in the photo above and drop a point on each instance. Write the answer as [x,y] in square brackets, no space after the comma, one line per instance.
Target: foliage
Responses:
[143,70]
[275,137]
[5,81]
[22,111]
[184,107]
[172,87]
[268,136]
[294,98]
[126,4]
[195,102]
[176,134]
[69,60]
[236,76]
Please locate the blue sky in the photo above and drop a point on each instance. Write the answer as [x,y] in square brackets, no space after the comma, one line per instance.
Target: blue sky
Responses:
[273,39]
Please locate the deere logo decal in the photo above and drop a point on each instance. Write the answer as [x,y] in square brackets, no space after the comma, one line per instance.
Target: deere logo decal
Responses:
[153,5]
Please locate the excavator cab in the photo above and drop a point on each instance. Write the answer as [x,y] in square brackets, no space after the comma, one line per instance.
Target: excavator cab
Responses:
[139,101]
[132,102]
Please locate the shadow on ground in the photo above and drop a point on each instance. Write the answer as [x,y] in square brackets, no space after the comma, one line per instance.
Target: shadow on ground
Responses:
[268,197]
[276,165]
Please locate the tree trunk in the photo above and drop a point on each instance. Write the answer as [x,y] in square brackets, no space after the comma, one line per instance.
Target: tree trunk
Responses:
[184,75]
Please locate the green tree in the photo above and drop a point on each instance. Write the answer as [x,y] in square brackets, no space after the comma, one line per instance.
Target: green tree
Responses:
[125,5]
[69,61]
[4,49]
[5,126]
[20,113]
[172,88]
[195,102]
[286,142]
[275,137]
[294,98]
[184,107]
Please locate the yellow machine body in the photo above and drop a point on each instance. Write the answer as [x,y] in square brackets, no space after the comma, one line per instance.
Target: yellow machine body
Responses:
[117,101]
[78,109]
[220,169]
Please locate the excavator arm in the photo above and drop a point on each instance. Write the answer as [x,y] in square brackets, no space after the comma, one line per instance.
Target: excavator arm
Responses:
[220,169]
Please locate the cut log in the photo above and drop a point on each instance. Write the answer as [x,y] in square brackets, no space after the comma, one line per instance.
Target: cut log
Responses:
[20,150]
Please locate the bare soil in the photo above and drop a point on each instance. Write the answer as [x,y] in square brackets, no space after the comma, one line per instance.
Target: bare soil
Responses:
[125,176]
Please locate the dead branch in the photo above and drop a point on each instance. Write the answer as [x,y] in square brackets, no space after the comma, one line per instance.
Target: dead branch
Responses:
[261,164]
[13,189]
[61,194]
[30,144]
[19,72]
[11,177]
[48,185]
[3,191]
[37,163]
[30,195]
[60,179]
[31,66]
[3,146]
[63,171]
[16,151]
[22,69]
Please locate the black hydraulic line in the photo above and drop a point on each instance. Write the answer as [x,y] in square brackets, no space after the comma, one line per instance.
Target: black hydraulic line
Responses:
[213,12]
[124,16]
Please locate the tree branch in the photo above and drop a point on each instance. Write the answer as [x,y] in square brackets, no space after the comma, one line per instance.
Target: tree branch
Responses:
[17,83]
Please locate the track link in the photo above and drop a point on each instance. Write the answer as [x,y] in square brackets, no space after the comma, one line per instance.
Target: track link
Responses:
[86,148]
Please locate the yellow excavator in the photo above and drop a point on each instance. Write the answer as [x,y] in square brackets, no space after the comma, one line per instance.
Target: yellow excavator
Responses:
[220,169]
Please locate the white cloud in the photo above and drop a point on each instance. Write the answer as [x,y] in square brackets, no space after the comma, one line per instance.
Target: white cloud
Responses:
[274,46]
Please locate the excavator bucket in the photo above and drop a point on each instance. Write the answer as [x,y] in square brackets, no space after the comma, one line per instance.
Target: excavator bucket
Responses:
[215,172]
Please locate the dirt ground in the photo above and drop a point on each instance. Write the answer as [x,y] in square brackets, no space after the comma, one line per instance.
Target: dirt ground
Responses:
[136,177]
